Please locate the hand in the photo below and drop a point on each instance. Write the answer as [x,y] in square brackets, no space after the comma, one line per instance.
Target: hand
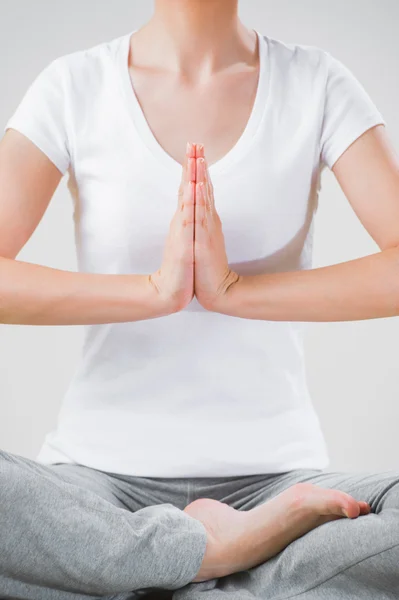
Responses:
[212,275]
[174,280]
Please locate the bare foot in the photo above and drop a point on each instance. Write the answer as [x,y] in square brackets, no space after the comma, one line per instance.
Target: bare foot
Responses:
[239,540]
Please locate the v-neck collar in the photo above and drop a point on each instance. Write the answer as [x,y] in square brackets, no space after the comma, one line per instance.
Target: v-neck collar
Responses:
[149,139]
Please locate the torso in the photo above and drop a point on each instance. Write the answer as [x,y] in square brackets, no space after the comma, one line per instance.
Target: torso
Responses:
[214,113]
[196,393]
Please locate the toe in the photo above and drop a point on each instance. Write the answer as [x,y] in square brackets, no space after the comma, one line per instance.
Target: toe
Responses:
[350,506]
[365,508]
[335,502]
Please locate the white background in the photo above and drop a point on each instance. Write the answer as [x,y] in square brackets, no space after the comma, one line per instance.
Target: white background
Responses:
[352,367]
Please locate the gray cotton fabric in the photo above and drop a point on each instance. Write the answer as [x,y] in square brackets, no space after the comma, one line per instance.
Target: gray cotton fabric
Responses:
[70,532]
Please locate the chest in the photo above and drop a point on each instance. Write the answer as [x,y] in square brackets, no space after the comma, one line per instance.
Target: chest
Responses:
[128,170]
[122,217]
[214,113]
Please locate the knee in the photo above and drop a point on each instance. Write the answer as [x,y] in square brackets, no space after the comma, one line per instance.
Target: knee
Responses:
[8,462]
[389,498]
[14,478]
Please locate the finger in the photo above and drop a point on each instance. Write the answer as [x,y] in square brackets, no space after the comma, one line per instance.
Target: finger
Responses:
[188,171]
[209,212]
[199,150]
[200,230]
[209,187]
[190,153]
[187,215]
[202,177]
[200,169]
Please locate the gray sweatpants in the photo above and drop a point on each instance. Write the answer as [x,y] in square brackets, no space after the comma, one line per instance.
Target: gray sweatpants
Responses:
[72,532]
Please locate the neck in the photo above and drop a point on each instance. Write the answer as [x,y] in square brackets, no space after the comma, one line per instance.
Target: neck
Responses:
[195,37]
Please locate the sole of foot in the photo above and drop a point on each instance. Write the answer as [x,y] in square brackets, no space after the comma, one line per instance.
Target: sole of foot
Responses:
[239,539]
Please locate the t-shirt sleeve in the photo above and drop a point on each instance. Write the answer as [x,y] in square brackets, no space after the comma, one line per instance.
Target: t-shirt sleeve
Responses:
[40,115]
[349,111]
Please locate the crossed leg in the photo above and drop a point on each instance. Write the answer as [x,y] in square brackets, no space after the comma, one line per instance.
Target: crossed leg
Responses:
[355,559]
[66,535]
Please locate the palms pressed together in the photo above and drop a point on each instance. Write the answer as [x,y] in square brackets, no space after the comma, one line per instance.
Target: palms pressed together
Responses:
[195,260]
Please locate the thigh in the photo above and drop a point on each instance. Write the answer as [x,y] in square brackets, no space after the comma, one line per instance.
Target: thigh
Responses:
[356,558]
[128,491]
[86,478]
[100,482]
[15,468]
[379,488]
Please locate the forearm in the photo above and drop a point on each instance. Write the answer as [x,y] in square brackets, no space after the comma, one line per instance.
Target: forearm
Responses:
[32,294]
[363,288]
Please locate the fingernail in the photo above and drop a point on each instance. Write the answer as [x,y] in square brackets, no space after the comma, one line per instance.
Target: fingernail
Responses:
[345,513]
[188,147]
[200,147]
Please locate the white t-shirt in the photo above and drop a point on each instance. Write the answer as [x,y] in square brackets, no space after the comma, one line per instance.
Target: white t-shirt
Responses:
[195,393]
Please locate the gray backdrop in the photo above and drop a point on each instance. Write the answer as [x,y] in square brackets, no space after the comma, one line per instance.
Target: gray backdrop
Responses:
[352,366]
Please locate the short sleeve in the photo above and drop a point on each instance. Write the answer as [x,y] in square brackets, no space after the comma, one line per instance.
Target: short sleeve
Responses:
[40,115]
[348,111]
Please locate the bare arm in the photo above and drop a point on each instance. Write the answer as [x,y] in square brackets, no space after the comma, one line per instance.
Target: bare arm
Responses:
[364,288]
[37,295]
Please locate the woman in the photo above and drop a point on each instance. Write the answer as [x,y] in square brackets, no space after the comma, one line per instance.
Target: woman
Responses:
[187,447]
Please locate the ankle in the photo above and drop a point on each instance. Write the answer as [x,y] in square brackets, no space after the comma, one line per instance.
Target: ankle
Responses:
[207,569]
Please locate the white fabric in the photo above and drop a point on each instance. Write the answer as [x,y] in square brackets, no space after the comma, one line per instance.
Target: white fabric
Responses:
[195,393]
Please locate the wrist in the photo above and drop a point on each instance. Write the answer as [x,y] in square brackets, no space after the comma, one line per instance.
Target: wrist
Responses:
[162,302]
[228,302]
